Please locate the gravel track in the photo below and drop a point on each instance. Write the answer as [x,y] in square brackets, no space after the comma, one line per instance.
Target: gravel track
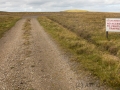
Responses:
[38,66]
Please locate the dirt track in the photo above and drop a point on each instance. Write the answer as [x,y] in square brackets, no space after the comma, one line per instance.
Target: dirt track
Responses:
[39,65]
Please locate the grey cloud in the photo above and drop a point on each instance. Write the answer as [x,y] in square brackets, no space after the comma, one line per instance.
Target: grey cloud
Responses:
[37,3]
[57,5]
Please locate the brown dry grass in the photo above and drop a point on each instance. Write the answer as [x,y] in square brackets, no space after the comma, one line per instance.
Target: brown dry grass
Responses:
[101,63]
[91,27]
[6,22]
[26,36]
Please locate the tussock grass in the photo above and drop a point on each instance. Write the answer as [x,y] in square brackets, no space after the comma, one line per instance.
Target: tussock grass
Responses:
[101,64]
[6,22]
[91,26]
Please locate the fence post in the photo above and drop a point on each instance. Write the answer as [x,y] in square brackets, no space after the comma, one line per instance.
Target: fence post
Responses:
[107,34]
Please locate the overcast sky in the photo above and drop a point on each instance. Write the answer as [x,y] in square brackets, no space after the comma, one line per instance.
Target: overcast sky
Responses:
[59,5]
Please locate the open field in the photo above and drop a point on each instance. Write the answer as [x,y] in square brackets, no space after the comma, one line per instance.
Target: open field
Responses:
[88,42]
[91,27]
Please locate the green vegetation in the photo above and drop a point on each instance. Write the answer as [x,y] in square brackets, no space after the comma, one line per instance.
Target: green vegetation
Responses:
[6,22]
[85,43]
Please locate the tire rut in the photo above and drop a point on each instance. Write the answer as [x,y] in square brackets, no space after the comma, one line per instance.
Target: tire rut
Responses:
[37,65]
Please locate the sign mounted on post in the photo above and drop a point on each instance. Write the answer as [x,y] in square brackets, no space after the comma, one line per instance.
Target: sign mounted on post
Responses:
[112,25]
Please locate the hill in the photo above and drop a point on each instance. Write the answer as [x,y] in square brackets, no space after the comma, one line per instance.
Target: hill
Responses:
[75,10]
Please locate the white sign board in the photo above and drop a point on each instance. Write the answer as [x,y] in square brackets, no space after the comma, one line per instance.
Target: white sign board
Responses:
[113,24]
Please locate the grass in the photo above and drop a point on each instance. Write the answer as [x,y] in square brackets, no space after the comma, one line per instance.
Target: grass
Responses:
[26,36]
[6,22]
[91,26]
[102,64]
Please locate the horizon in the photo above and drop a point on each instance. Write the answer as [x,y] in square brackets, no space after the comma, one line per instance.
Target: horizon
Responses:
[65,11]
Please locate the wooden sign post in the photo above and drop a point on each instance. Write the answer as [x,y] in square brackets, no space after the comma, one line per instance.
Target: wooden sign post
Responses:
[107,34]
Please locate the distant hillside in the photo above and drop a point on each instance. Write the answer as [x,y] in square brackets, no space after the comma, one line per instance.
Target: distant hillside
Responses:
[75,10]
[2,11]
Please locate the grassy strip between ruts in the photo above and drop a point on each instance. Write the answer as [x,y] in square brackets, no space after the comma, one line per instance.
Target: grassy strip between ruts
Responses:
[6,22]
[103,65]
[26,36]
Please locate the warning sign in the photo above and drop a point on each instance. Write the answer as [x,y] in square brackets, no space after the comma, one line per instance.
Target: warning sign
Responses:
[113,24]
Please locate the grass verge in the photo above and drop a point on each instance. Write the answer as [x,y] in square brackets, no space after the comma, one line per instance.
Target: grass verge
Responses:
[101,64]
[6,22]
